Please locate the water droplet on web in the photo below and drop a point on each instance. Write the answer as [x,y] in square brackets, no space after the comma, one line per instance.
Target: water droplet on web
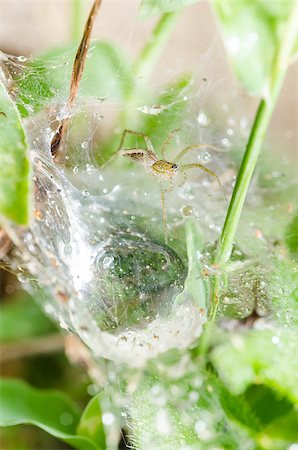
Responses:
[205,157]
[186,211]
[193,396]
[203,119]
[108,418]
[84,145]
[275,340]
[153,110]
[107,262]
[163,422]
[22,278]
[22,58]
[226,142]
[85,193]
[202,430]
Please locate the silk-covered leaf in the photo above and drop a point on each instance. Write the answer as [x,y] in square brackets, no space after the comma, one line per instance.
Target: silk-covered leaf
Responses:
[154,7]
[51,411]
[14,162]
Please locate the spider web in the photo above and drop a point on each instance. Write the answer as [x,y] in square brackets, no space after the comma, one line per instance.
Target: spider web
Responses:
[95,249]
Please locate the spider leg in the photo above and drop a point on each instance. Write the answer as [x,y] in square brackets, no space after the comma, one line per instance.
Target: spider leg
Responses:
[136,133]
[166,142]
[164,212]
[169,189]
[194,147]
[205,169]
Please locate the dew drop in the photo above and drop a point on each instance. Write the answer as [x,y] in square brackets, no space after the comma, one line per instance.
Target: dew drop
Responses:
[163,423]
[107,262]
[84,145]
[226,142]
[186,211]
[108,418]
[153,110]
[203,119]
[275,340]
[22,58]
[205,157]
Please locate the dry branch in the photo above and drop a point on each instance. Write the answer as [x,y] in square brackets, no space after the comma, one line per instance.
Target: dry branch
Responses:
[76,76]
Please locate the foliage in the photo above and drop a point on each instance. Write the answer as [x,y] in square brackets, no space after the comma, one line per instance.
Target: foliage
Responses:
[233,389]
[51,411]
[253,32]
[24,311]
[153,7]
[14,174]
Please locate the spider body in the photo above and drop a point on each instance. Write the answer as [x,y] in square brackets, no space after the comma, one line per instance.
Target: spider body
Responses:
[162,168]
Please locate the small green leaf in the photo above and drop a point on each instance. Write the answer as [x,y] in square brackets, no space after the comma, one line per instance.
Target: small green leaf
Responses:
[14,172]
[283,428]
[266,403]
[291,237]
[154,7]
[28,316]
[250,40]
[173,100]
[107,74]
[235,407]
[91,425]
[259,356]
[50,410]
[195,288]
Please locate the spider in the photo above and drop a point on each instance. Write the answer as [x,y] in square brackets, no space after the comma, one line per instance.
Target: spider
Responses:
[161,168]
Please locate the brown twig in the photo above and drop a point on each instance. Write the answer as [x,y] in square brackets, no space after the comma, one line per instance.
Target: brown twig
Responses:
[31,347]
[76,76]
[5,243]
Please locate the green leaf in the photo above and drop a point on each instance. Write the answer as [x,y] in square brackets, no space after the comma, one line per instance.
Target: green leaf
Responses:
[107,74]
[156,127]
[291,237]
[22,318]
[235,407]
[173,100]
[283,290]
[153,7]
[259,356]
[250,37]
[266,403]
[195,288]
[50,410]
[284,428]
[91,425]
[14,172]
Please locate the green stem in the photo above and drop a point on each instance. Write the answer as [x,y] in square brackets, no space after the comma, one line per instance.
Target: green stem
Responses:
[155,44]
[254,145]
[146,61]
[77,20]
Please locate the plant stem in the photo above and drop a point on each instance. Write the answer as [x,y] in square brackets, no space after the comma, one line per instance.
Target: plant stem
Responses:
[145,62]
[254,145]
[77,20]
[155,44]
